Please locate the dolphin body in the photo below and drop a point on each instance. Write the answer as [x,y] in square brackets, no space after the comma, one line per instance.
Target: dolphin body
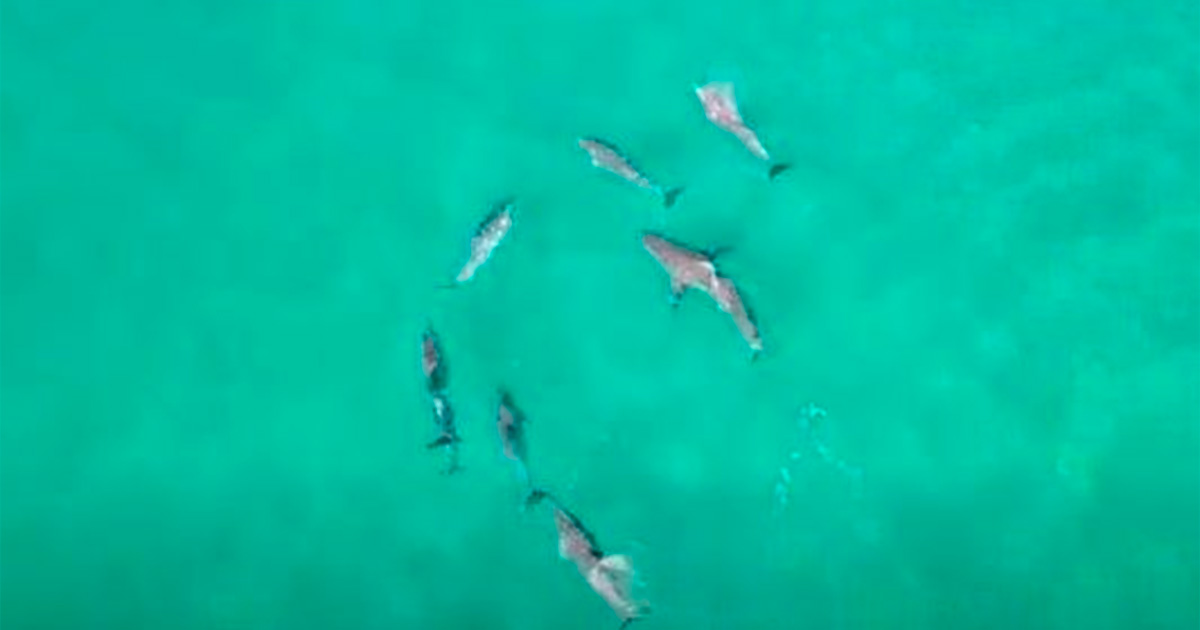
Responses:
[432,363]
[510,423]
[607,156]
[720,107]
[488,235]
[693,269]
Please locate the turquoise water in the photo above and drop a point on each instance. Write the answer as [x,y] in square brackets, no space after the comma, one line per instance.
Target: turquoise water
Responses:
[223,226]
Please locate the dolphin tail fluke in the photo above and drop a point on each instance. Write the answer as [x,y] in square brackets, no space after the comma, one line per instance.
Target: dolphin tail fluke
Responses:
[444,440]
[629,620]
[776,169]
[535,496]
[670,195]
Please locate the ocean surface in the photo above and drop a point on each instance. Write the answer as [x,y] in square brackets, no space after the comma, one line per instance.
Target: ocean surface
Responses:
[225,225]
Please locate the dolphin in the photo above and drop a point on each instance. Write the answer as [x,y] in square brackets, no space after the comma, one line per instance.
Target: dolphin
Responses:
[693,269]
[607,156]
[510,423]
[488,235]
[688,268]
[447,439]
[720,106]
[432,364]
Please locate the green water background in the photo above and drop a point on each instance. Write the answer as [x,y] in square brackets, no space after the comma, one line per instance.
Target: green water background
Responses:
[223,224]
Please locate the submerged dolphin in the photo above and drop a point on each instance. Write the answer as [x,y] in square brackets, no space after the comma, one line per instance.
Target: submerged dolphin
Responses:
[432,364]
[692,269]
[720,106]
[447,439]
[607,156]
[510,423]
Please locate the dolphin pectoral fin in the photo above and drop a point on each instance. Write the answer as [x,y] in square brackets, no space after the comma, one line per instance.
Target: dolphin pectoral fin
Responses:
[776,169]
[676,293]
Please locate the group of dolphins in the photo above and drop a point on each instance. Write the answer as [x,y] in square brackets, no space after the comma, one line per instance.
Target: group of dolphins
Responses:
[610,576]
